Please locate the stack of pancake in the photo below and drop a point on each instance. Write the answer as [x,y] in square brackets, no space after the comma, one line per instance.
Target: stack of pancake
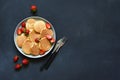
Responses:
[37,30]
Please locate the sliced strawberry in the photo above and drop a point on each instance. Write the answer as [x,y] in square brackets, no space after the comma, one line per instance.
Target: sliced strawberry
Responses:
[23,29]
[49,37]
[52,40]
[42,52]
[27,31]
[18,66]
[19,31]
[48,25]
[23,24]
[25,61]
[15,59]
[37,40]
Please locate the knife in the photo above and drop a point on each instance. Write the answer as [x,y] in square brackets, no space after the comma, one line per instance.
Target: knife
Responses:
[55,51]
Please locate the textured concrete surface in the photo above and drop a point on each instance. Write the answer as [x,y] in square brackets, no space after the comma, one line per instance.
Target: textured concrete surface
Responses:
[92,51]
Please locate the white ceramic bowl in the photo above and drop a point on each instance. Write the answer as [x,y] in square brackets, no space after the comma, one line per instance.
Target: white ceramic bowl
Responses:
[15,35]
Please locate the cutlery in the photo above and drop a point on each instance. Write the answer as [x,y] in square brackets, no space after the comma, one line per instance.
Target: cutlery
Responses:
[55,51]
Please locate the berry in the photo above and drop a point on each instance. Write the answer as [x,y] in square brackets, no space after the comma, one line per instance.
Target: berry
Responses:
[15,59]
[42,52]
[18,66]
[49,37]
[25,61]
[48,25]
[37,40]
[23,29]
[27,31]
[33,8]
[23,24]
[19,31]
[52,40]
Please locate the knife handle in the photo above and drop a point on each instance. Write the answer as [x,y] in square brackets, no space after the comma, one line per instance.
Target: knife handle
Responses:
[49,60]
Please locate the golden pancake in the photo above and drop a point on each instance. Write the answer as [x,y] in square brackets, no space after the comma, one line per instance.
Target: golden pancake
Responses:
[20,39]
[26,47]
[44,44]
[46,32]
[30,23]
[35,50]
[33,35]
[38,41]
[39,26]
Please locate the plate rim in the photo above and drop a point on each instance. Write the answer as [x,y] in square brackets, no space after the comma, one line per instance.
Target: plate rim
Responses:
[20,50]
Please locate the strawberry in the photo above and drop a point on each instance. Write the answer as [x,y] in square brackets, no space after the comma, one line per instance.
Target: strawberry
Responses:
[52,40]
[37,40]
[23,29]
[42,52]
[27,31]
[33,8]
[49,37]
[18,66]
[25,61]
[23,24]
[48,25]
[15,59]
[19,31]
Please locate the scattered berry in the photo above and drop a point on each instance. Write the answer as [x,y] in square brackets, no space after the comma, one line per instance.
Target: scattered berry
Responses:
[15,59]
[37,40]
[18,66]
[42,52]
[19,31]
[25,61]
[23,24]
[49,37]
[33,8]
[52,40]
[48,25]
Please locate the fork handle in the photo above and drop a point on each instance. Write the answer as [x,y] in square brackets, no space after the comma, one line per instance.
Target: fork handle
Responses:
[49,60]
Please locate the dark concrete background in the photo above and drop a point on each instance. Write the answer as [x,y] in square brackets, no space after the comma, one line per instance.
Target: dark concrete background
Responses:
[92,51]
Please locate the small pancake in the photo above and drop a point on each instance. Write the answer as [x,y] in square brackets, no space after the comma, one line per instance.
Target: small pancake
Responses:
[35,50]
[26,47]
[39,26]
[46,32]
[33,35]
[20,39]
[44,44]
[30,23]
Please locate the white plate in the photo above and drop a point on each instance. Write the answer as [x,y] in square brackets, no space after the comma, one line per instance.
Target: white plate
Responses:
[15,35]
